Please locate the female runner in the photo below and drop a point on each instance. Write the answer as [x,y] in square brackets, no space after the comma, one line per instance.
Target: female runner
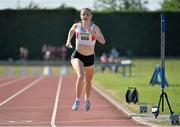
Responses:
[82,59]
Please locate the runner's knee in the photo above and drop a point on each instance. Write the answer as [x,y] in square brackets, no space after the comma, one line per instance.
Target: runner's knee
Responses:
[87,83]
[80,76]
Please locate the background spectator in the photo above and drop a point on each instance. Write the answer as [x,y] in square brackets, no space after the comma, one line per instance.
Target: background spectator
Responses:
[104,62]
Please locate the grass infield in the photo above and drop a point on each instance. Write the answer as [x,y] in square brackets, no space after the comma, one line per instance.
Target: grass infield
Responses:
[142,71]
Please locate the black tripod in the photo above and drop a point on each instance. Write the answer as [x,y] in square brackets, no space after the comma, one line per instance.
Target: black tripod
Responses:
[163,93]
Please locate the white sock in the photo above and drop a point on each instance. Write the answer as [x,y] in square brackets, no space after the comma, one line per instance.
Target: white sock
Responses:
[77,99]
[86,98]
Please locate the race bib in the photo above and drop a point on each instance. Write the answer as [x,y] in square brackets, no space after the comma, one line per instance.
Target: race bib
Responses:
[84,36]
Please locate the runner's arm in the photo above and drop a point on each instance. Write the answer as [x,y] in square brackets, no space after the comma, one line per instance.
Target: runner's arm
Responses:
[99,35]
[70,35]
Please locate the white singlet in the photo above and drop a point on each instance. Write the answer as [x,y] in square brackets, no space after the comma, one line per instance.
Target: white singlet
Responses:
[84,37]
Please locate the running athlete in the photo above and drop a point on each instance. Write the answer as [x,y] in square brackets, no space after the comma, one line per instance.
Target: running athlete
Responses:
[82,59]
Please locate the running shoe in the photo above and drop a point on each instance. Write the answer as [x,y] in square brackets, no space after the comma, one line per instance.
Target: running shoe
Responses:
[76,105]
[87,105]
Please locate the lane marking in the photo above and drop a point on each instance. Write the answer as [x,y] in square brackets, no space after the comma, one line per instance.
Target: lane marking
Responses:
[29,121]
[53,118]
[21,91]
[12,121]
[12,81]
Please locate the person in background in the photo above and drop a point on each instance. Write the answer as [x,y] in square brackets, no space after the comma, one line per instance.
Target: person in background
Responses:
[114,60]
[23,53]
[103,62]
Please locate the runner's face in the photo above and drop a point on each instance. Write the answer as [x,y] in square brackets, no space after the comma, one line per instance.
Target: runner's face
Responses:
[86,15]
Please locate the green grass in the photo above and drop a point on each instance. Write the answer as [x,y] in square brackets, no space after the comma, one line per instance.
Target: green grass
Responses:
[142,71]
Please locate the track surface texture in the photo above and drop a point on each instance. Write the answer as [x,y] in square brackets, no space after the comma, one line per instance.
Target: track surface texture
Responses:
[47,101]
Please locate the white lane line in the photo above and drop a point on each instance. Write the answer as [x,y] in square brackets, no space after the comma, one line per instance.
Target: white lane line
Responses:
[12,81]
[53,118]
[21,91]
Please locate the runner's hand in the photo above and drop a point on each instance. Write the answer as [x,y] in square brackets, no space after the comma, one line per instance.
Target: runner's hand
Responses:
[69,45]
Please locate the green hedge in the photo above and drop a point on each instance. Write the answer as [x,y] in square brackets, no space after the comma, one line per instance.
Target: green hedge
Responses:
[132,33]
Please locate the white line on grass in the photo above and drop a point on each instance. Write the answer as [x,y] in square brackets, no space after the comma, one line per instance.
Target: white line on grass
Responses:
[53,118]
[21,91]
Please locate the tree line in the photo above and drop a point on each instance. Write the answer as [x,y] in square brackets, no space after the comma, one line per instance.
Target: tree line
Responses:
[114,5]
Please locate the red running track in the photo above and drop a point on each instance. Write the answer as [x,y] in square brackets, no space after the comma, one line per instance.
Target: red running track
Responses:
[47,101]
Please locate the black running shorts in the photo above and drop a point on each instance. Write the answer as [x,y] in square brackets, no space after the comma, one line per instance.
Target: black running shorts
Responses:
[87,60]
